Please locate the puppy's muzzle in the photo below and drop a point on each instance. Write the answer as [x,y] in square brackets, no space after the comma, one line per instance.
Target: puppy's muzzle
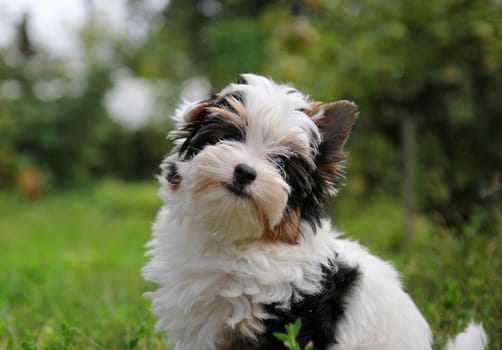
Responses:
[242,177]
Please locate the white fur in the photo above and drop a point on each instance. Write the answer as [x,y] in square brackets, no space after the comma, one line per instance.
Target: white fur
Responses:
[274,113]
[379,314]
[215,273]
[472,338]
[208,286]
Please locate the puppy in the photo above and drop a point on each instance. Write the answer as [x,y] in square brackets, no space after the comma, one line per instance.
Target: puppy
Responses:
[242,245]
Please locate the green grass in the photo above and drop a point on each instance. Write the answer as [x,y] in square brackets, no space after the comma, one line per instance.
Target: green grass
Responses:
[74,259]
[70,268]
[451,280]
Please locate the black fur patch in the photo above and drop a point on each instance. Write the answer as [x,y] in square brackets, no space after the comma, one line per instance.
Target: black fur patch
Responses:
[222,101]
[308,190]
[319,313]
[209,130]
[241,80]
[171,173]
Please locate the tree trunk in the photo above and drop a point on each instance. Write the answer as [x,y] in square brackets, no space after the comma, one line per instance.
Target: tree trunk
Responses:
[408,154]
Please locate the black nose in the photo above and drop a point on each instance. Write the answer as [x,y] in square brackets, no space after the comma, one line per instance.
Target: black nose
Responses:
[243,174]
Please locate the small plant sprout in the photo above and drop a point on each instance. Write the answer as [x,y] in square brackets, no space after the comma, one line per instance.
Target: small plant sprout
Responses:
[289,338]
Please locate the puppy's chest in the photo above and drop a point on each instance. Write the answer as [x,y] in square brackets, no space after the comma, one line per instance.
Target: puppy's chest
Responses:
[319,312]
[249,312]
[239,299]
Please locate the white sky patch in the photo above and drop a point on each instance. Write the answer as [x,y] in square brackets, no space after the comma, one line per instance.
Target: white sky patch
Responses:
[54,25]
[195,89]
[131,101]
[10,89]
[48,90]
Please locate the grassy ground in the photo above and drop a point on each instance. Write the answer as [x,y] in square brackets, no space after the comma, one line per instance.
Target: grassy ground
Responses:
[69,268]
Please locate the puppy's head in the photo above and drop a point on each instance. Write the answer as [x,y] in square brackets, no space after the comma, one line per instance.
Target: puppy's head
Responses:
[255,161]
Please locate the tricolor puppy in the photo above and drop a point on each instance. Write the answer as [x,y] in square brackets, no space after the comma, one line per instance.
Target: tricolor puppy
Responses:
[242,245]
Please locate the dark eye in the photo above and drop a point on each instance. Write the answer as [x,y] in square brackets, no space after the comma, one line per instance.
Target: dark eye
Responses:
[279,162]
[172,175]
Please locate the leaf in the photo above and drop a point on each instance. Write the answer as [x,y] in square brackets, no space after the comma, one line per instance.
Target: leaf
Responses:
[296,328]
[281,336]
[309,346]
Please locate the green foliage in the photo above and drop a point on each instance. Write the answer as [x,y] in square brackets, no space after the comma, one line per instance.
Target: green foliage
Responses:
[289,338]
[236,47]
[132,343]
[73,141]
[56,138]
[217,45]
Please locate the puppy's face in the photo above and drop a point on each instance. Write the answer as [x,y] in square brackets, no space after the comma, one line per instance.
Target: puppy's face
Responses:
[255,161]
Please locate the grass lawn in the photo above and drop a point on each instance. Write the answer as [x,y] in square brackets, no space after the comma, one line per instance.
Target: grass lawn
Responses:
[70,268]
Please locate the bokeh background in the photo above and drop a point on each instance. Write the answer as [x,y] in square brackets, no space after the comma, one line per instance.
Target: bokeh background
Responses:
[87,88]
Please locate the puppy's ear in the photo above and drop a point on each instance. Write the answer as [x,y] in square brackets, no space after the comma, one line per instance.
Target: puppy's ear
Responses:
[193,111]
[186,117]
[335,121]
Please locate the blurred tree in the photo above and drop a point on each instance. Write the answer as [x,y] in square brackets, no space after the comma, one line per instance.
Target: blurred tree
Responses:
[24,42]
[56,123]
[439,64]
[223,38]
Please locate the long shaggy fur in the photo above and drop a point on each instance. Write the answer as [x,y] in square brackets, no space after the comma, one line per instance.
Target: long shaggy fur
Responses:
[242,245]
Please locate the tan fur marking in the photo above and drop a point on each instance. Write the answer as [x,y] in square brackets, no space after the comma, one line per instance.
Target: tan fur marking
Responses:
[196,112]
[174,187]
[251,327]
[238,118]
[313,109]
[286,231]
[181,133]
[326,171]
[239,108]
[292,145]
